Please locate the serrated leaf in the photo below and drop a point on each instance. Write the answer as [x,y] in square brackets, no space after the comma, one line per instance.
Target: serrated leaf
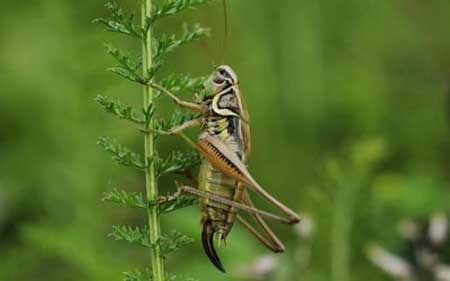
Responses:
[137,235]
[149,112]
[121,154]
[168,243]
[121,21]
[172,7]
[128,67]
[133,200]
[137,275]
[175,120]
[173,277]
[151,72]
[179,201]
[173,241]
[168,43]
[114,107]
[183,83]
[178,162]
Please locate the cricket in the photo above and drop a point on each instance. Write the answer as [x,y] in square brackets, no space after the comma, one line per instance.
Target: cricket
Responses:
[224,181]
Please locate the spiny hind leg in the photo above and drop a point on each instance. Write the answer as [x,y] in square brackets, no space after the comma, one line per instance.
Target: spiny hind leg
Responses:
[292,216]
[225,204]
[276,245]
[228,203]
[226,161]
[269,243]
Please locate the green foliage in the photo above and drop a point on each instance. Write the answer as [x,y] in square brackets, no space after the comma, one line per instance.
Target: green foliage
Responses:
[179,201]
[148,114]
[121,21]
[177,118]
[123,112]
[173,7]
[183,83]
[317,80]
[121,154]
[132,200]
[172,277]
[137,275]
[173,241]
[177,162]
[169,43]
[128,67]
[136,235]
[136,200]
[169,243]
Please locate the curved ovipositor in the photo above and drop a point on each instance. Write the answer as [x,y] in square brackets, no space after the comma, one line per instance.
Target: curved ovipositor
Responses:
[208,245]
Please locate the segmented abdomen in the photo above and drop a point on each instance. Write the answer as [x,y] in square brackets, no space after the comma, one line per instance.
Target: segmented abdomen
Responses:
[213,181]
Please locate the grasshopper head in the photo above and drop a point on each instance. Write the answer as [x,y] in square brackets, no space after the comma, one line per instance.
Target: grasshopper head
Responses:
[221,78]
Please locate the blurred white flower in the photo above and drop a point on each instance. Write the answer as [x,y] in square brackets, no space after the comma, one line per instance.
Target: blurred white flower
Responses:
[442,272]
[390,263]
[438,230]
[424,239]
[261,269]
[306,228]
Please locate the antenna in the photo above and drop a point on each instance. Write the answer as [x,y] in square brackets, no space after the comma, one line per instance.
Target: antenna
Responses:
[225,35]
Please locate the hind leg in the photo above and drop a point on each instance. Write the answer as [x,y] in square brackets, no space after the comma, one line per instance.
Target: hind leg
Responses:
[271,240]
[229,203]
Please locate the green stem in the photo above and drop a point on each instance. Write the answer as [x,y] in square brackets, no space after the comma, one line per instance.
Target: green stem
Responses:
[150,179]
[341,232]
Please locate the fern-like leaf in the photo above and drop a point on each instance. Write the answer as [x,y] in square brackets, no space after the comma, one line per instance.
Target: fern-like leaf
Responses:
[121,154]
[137,275]
[175,120]
[168,243]
[167,44]
[133,200]
[174,202]
[121,21]
[172,7]
[136,235]
[123,112]
[183,84]
[178,162]
[173,241]
[128,68]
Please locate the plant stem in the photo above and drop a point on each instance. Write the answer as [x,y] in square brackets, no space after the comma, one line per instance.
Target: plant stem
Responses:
[341,232]
[150,180]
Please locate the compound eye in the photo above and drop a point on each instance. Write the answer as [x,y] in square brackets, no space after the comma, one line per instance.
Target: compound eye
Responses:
[219,79]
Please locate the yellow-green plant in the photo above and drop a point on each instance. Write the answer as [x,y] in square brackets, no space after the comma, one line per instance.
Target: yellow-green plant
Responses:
[143,70]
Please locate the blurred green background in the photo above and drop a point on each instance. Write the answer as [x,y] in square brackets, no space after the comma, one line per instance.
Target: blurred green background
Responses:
[349,104]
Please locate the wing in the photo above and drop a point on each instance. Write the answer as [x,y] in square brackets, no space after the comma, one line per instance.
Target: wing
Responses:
[224,159]
[245,127]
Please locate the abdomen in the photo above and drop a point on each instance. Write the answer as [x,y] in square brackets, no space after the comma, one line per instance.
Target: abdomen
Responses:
[213,181]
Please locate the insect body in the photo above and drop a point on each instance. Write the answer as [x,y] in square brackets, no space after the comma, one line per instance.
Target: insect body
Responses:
[224,179]
[225,120]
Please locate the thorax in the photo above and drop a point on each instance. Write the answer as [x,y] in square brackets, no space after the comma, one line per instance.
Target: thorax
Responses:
[223,120]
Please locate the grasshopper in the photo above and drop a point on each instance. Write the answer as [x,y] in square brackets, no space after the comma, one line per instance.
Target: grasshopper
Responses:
[224,181]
